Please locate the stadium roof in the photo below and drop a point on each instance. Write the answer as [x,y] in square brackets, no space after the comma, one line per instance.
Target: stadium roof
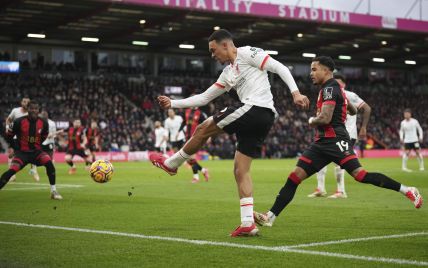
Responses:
[117,25]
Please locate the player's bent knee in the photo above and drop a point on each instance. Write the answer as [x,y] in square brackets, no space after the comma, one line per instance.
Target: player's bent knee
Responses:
[359,174]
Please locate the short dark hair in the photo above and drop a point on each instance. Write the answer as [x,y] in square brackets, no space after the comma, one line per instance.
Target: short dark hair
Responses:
[326,61]
[407,110]
[33,102]
[339,76]
[220,35]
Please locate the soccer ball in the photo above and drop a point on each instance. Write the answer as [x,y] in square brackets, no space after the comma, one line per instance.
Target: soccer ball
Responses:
[101,171]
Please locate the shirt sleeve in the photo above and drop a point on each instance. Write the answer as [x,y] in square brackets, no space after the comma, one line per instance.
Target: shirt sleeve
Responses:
[420,132]
[275,66]
[199,100]
[401,131]
[330,95]
[354,99]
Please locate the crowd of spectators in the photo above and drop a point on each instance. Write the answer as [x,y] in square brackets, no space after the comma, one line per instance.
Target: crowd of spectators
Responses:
[125,108]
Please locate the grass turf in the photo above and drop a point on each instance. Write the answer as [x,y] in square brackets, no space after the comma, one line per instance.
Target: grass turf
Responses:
[143,200]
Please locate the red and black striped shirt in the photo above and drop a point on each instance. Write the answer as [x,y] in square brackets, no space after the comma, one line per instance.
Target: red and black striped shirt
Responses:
[75,138]
[91,134]
[30,133]
[332,94]
[192,118]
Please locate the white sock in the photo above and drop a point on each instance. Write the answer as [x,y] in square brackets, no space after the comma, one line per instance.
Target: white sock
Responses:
[247,205]
[321,179]
[196,176]
[203,170]
[405,157]
[340,178]
[421,161]
[403,189]
[34,169]
[53,188]
[177,159]
[271,216]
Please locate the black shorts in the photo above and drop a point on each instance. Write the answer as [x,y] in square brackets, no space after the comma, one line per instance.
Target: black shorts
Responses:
[48,148]
[21,159]
[177,144]
[92,148]
[412,145]
[79,152]
[250,123]
[323,152]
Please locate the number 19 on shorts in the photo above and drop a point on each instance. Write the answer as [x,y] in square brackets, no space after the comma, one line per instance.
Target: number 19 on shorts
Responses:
[343,145]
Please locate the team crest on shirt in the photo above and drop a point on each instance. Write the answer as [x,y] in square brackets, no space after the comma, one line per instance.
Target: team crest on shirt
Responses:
[328,93]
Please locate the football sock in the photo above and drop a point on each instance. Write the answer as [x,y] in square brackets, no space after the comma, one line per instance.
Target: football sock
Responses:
[196,176]
[53,188]
[6,176]
[50,171]
[70,163]
[340,178]
[378,179]
[405,157]
[34,169]
[271,217]
[404,189]
[421,161]
[321,179]
[286,194]
[177,159]
[196,167]
[247,206]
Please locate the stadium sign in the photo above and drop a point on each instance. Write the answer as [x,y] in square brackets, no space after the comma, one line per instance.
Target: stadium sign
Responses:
[247,7]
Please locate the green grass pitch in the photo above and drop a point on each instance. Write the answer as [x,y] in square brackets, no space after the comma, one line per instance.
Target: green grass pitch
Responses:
[143,200]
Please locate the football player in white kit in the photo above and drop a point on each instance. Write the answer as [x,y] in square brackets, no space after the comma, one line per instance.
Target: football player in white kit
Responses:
[48,145]
[172,125]
[411,137]
[351,127]
[161,137]
[247,73]
[14,114]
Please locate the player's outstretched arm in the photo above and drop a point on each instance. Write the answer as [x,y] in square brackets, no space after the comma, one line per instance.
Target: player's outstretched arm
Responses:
[194,101]
[275,66]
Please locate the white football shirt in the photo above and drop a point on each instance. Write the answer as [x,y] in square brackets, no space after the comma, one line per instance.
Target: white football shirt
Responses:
[160,134]
[351,120]
[172,126]
[52,130]
[409,130]
[247,76]
[17,113]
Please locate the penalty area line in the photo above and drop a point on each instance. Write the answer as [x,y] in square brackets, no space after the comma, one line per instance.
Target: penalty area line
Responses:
[220,244]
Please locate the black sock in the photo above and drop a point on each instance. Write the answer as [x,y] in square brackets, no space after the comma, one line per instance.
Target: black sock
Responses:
[284,197]
[381,180]
[88,163]
[50,171]
[70,163]
[6,176]
[196,167]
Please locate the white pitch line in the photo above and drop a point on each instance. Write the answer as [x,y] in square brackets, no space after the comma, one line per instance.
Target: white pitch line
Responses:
[343,241]
[46,184]
[223,244]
